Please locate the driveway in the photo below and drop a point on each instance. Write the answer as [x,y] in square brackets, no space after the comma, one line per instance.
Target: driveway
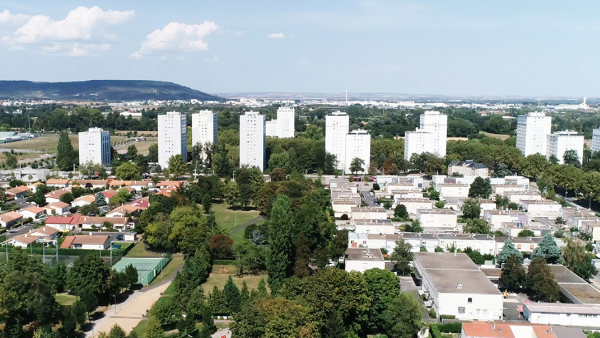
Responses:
[18,231]
[370,200]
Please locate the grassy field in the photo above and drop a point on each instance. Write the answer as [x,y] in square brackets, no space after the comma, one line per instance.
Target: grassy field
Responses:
[65,299]
[139,250]
[226,217]
[142,147]
[239,236]
[498,136]
[48,143]
[174,264]
[220,274]
[141,328]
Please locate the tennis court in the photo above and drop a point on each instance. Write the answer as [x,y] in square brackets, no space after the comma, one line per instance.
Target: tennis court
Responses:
[147,268]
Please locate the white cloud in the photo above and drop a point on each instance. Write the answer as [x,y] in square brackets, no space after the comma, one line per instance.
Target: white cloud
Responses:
[7,17]
[276,36]
[76,49]
[79,25]
[177,37]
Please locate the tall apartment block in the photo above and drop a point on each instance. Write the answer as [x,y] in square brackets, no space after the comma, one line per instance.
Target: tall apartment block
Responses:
[337,126]
[559,142]
[253,139]
[204,127]
[94,147]
[430,137]
[358,145]
[596,140]
[532,133]
[283,126]
[172,137]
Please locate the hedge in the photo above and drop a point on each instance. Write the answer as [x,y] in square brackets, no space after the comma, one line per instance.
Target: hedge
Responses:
[451,327]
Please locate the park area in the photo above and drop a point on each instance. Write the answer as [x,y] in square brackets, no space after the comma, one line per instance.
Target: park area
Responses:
[147,268]
[48,143]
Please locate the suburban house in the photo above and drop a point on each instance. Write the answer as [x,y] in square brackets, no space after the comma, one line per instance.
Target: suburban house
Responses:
[174,184]
[402,194]
[17,192]
[437,218]
[83,200]
[361,259]
[383,241]
[484,204]
[516,197]
[91,184]
[137,185]
[61,223]
[343,206]
[86,242]
[45,233]
[514,228]
[414,204]
[58,183]
[88,222]
[525,244]
[518,330]
[33,186]
[468,168]
[374,226]
[54,196]
[456,286]
[582,315]
[496,217]
[58,208]
[541,208]
[9,219]
[502,189]
[453,190]
[368,213]
[123,210]
[33,212]
[22,240]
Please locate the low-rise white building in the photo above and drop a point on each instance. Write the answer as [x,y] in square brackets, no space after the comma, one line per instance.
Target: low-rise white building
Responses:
[582,315]
[374,226]
[406,194]
[437,218]
[86,242]
[361,260]
[468,168]
[457,190]
[456,286]
[368,213]
[541,208]
[414,204]
[516,197]
[502,189]
[343,206]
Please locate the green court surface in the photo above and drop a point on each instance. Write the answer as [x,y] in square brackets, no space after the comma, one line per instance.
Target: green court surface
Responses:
[147,268]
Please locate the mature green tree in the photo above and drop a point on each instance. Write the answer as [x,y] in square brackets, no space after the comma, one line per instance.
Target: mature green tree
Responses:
[207,319]
[513,273]
[330,163]
[67,198]
[548,250]
[218,302]
[540,280]
[383,288]
[526,233]
[231,192]
[58,276]
[280,161]
[132,275]
[480,188]
[403,318]
[578,260]
[89,209]
[571,157]
[153,153]
[155,329]
[401,212]
[11,160]
[471,208]
[69,323]
[314,132]
[132,152]
[89,271]
[65,154]
[244,295]
[279,259]
[187,326]
[414,226]
[100,200]
[177,166]
[128,171]
[80,312]
[89,299]
[507,251]
[232,296]
[402,256]
[117,332]
[302,256]
[476,226]
[356,165]
[434,195]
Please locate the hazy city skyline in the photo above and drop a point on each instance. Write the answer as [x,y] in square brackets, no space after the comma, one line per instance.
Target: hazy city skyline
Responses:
[465,48]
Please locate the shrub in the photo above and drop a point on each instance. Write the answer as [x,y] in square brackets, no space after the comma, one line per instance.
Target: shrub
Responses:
[432,313]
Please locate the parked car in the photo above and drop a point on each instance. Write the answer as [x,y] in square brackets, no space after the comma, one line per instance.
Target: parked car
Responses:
[120,237]
[371,193]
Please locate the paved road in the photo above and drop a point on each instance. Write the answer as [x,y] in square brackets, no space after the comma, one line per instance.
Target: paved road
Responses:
[370,200]
[243,226]
[18,231]
[21,202]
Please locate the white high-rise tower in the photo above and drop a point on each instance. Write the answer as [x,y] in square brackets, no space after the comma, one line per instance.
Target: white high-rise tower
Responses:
[252,139]
[172,137]
[204,127]
[436,124]
[94,147]
[337,125]
[358,145]
[285,122]
[532,133]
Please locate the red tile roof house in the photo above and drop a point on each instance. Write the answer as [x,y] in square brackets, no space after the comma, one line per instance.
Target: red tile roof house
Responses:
[33,212]
[58,183]
[91,183]
[17,192]
[130,208]
[58,208]
[64,224]
[33,186]
[83,200]
[54,196]
[88,222]
[137,185]
[86,242]
[9,219]
[45,234]
[22,240]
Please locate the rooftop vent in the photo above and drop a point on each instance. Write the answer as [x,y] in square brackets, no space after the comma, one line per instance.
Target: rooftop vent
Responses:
[459,286]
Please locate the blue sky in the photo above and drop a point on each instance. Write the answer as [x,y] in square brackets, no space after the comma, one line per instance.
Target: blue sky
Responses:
[529,48]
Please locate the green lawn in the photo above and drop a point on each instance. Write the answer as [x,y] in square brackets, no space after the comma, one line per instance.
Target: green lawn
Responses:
[174,264]
[228,219]
[65,299]
[139,250]
[239,236]
[220,274]
[141,328]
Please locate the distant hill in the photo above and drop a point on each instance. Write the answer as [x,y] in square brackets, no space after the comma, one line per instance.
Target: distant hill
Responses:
[100,90]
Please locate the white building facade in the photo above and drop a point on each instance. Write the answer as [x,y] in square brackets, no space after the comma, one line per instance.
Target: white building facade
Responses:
[430,137]
[559,142]
[94,147]
[204,127]
[417,142]
[337,126]
[172,137]
[596,140]
[285,122]
[532,131]
[252,139]
[358,145]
